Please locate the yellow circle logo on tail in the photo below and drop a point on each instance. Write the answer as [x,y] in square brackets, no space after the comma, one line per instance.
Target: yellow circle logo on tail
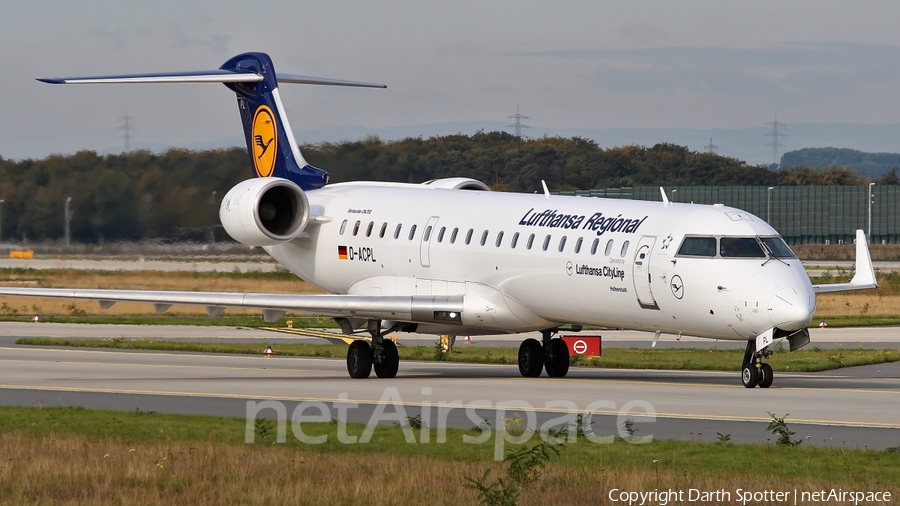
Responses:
[264,138]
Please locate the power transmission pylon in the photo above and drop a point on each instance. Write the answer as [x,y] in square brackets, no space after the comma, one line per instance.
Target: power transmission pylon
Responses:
[518,125]
[126,127]
[776,135]
[711,148]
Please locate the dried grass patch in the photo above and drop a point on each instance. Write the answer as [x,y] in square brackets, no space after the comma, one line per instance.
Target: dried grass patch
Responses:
[127,280]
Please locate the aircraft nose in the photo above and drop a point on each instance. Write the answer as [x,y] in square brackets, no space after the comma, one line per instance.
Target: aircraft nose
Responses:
[792,308]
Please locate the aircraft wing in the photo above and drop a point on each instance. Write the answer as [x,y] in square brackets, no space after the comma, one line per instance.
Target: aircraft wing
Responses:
[864,279]
[416,308]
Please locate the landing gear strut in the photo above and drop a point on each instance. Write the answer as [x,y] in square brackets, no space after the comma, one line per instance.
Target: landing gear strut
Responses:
[754,372]
[381,355]
[551,355]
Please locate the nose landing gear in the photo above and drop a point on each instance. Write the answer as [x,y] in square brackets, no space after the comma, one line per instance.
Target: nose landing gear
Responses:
[755,372]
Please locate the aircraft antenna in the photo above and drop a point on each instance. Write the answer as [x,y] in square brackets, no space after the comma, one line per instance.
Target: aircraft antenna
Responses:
[711,148]
[518,125]
[776,136]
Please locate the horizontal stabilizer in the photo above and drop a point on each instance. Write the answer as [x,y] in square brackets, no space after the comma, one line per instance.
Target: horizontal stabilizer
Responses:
[208,76]
[196,76]
[327,81]
[863,279]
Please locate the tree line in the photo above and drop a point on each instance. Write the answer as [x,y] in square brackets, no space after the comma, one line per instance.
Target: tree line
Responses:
[872,165]
[175,195]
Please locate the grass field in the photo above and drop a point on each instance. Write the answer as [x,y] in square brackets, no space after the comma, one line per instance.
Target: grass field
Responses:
[696,359]
[845,251]
[254,281]
[79,456]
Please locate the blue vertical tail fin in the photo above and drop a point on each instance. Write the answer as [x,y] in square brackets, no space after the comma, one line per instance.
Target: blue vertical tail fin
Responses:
[270,140]
[267,131]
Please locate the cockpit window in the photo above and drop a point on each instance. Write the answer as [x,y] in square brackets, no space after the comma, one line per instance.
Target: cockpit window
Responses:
[698,247]
[740,247]
[777,247]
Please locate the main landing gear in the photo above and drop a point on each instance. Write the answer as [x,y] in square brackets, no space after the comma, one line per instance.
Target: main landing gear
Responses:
[380,354]
[552,355]
[755,372]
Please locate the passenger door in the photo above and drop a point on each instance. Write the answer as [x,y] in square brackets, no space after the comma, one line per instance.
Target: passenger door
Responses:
[425,245]
[641,272]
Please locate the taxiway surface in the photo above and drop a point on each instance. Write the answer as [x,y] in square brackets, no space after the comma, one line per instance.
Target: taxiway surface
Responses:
[851,337]
[855,407]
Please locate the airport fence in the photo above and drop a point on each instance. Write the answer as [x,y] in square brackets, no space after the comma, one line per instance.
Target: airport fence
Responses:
[802,214]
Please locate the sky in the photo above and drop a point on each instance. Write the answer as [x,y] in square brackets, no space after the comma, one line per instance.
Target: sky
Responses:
[571,66]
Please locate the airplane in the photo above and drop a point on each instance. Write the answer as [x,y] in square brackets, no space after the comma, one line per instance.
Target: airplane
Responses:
[450,256]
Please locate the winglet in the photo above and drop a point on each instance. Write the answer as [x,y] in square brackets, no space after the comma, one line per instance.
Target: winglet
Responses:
[865,272]
[863,279]
[665,198]
[546,191]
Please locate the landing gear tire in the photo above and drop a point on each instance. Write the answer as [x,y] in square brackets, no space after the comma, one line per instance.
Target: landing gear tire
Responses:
[750,375]
[559,366]
[766,375]
[390,363]
[359,359]
[531,358]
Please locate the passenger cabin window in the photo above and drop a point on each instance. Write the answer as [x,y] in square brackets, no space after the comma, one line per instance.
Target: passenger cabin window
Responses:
[530,241]
[499,240]
[369,229]
[562,244]
[427,235]
[453,236]
[578,245]
[594,246]
[412,232]
[515,240]
[441,234]
[546,242]
[469,236]
[383,230]
[740,247]
[777,247]
[698,247]
[343,226]
[356,229]
[484,237]
[397,231]
[609,245]
[624,249]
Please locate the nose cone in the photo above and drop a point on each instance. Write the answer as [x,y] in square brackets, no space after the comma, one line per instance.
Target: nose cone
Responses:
[792,308]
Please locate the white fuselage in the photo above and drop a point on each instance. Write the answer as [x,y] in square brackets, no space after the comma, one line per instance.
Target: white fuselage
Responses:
[617,267]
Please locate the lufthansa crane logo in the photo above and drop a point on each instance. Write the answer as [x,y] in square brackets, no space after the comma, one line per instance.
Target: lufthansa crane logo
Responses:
[677,286]
[264,136]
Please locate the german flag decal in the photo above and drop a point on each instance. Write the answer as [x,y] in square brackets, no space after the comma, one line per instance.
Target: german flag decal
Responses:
[342,252]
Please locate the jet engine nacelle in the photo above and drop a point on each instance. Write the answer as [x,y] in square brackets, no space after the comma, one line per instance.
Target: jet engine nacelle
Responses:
[264,211]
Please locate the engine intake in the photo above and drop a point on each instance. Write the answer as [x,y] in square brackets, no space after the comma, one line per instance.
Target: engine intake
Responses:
[264,211]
